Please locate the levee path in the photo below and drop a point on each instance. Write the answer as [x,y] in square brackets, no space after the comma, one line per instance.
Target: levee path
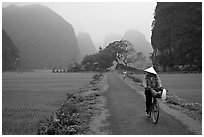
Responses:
[126,108]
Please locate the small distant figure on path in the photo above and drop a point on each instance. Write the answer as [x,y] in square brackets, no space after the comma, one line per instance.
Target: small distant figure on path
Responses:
[124,74]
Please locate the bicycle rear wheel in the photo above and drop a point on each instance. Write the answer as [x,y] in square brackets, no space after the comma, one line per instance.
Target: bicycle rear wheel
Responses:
[155,113]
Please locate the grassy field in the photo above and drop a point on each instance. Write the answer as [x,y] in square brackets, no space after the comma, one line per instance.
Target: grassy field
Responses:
[187,86]
[30,97]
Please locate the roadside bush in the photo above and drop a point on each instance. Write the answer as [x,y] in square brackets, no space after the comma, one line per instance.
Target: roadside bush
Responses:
[69,109]
[76,98]
[79,98]
[97,76]
[65,121]
[192,106]
[175,100]
[135,79]
[172,99]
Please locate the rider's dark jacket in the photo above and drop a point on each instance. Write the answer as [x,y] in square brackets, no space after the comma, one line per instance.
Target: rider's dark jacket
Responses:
[152,81]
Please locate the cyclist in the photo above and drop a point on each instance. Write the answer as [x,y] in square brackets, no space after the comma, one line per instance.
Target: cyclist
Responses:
[151,83]
[124,74]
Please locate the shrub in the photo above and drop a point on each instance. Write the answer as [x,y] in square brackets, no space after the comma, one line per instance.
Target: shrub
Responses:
[135,79]
[96,76]
[65,121]
[69,108]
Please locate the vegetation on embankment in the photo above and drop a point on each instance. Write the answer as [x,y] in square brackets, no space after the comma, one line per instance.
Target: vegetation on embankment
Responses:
[194,110]
[76,112]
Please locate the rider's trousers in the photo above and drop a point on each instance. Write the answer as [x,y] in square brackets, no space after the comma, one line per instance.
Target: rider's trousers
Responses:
[148,101]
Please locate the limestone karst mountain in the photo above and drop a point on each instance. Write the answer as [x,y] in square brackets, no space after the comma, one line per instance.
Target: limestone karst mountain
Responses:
[141,46]
[85,43]
[9,53]
[139,41]
[111,38]
[44,38]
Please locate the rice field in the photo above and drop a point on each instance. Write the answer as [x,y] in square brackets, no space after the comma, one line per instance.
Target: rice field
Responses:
[187,86]
[30,97]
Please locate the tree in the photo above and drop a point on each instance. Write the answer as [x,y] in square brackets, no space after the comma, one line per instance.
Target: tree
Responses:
[115,51]
[177,34]
[88,62]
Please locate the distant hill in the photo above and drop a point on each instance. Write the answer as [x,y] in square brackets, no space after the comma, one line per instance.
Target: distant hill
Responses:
[85,43]
[44,39]
[111,38]
[9,53]
[139,41]
[140,45]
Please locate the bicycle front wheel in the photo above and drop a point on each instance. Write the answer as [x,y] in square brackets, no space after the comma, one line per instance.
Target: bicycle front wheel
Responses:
[155,113]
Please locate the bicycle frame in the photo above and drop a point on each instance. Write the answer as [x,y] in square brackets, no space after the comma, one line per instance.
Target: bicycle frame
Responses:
[154,109]
[154,113]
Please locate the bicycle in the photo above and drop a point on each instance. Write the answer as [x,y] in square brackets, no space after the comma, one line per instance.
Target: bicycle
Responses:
[154,109]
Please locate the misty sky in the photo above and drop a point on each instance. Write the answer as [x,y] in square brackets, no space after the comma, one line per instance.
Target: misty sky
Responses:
[102,18]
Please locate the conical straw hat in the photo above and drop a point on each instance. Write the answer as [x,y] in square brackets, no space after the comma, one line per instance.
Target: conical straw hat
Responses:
[151,70]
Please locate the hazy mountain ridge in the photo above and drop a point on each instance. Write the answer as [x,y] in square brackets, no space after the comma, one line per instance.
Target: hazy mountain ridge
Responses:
[9,53]
[133,36]
[111,38]
[43,38]
[140,44]
[85,43]
[139,41]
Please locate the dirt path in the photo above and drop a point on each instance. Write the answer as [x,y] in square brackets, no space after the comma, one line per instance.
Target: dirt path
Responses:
[127,113]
